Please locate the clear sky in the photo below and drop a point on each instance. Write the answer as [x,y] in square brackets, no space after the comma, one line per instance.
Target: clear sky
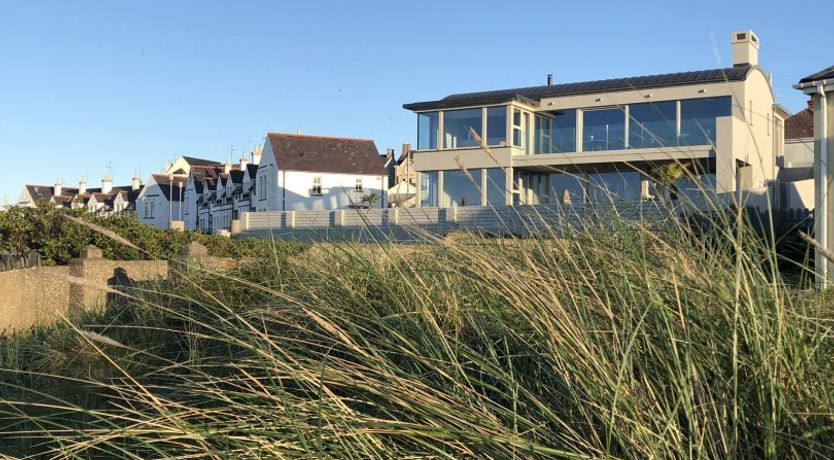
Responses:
[87,85]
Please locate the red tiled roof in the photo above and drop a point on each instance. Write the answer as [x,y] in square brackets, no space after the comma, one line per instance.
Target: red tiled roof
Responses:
[800,125]
[296,152]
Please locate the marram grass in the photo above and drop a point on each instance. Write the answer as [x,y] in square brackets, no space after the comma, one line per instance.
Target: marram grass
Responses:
[622,341]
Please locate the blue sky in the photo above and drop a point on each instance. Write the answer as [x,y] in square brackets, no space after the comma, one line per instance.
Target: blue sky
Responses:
[87,84]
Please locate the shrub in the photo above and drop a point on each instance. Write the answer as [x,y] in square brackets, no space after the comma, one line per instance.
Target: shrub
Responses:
[58,239]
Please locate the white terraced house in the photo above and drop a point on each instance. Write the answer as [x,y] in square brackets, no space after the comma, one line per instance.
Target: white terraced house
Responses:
[104,201]
[601,140]
[160,203]
[215,196]
[300,172]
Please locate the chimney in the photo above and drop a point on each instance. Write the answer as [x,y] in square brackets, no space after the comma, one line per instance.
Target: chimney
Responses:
[227,168]
[745,48]
[106,184]
[549,79]
[82,186]
[406,150]
[244,161]
[57,191]
[136,183]
[256,155]
[389,153]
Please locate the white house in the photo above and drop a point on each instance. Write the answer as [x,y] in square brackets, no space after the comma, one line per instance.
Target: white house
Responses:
[300,172]
[160,202]
[104,201]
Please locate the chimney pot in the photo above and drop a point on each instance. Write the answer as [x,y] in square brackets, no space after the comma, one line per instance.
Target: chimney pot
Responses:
[106,184]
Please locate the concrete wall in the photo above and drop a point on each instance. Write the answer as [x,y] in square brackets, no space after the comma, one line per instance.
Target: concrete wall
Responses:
[43,294]
[39,295]
[33,295]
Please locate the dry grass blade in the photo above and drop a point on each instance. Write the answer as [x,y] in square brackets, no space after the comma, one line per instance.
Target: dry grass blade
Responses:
[101,339]
[816,244]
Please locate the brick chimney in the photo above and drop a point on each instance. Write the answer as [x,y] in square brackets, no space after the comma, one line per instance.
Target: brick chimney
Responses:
[745,48]
[244,161]
[256,155]
[106,184]
[136,182]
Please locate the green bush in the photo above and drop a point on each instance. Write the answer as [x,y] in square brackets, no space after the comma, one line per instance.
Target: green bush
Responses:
[59,239]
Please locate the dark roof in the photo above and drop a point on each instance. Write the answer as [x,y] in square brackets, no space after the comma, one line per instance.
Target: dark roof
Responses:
[252,170]
[534,93]
[164,182]
[237,176]
[199,161]
[800,125]
[823,74]
[296,152]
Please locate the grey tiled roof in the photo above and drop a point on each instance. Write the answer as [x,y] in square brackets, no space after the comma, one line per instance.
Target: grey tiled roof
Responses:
[823,74]
[535,93]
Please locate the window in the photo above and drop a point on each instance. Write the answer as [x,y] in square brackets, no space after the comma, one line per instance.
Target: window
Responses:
[496,187]
[698,119]
[556,132]
[518,129]
[603,130]
[316,190]
[358,186]
[428,189]
[496,126]
[614,186]
[567,188]
[460,190]
[457,125]
[652,125]
[428,124]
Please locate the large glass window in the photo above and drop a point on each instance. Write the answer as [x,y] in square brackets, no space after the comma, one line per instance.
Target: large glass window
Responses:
[568,188]
[614,186]
[603,130]
[460,190]
[496,188]
[427,126]
[496,126]
[698,124]
[652,125]
[456,126]
[556,133]
[428,189]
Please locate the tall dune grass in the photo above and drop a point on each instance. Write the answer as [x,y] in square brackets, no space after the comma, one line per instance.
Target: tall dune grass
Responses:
[616,340]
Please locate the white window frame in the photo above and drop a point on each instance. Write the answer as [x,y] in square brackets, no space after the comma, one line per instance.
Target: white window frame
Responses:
[316,189]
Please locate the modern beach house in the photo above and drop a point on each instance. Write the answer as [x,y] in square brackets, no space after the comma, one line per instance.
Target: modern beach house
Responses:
[601,140]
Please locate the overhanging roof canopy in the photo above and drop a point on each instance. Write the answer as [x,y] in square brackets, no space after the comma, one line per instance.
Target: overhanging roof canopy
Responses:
[533,94]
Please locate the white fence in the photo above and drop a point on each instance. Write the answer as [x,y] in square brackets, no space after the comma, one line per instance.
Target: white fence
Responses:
[407,224]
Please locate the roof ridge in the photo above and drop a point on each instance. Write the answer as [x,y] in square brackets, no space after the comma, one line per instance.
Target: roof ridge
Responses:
[272,133]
